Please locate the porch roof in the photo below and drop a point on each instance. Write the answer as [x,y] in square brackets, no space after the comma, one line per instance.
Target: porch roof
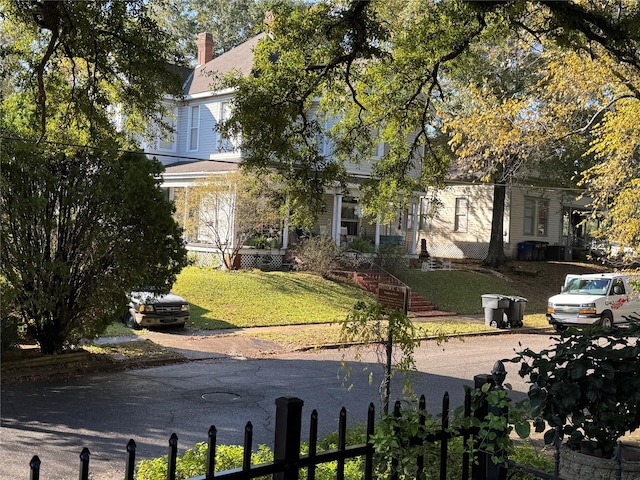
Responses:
[182,174]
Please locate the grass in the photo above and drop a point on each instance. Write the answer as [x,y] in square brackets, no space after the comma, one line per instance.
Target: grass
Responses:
[135,350]
[255,298]
[313,335]
[457,290]
[116,329]
[241,299]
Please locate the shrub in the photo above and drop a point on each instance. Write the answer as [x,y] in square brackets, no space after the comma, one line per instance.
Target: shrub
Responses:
[10,334]
[317,255]
[363,245]
[392,257]
[586,386]
[261,242]
[193,462]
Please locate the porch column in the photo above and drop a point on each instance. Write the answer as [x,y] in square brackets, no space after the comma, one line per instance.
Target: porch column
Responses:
[414,234]
[185,214]
[337,218]
[285,232]
[377,234]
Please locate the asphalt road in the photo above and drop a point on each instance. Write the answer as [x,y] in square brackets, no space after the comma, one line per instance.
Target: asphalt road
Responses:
[56,419]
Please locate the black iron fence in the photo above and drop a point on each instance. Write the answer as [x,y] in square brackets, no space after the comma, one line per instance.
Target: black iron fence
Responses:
[290,464]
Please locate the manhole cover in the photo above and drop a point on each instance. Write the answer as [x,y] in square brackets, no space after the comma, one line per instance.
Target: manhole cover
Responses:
[220,397]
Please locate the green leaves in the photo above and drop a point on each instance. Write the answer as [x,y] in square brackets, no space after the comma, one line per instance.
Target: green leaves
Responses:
[587,384]
[86,225]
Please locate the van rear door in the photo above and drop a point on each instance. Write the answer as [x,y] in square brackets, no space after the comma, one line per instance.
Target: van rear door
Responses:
[618,300]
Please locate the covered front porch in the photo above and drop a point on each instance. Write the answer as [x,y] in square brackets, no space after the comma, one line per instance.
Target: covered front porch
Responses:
[341,219]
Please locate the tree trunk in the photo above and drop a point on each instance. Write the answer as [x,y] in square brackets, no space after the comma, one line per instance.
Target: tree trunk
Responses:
[48,335]
[495,256]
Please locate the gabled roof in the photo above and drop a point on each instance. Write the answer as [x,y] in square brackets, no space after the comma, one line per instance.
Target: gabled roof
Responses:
[239,58]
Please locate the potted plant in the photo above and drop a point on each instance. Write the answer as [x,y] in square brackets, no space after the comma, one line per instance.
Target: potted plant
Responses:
[261,242]
[586,387]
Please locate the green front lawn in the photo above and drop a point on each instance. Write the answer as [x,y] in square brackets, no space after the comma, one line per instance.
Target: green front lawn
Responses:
[251,298]
[459,291]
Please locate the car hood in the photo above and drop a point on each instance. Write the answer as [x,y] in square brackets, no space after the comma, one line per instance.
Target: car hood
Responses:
[150,297]
[574,299]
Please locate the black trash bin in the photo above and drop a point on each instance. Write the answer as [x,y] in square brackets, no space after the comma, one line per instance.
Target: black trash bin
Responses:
[515,311]
[494,306]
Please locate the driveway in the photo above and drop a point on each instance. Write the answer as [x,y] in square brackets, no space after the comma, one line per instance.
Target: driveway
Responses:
[230,381]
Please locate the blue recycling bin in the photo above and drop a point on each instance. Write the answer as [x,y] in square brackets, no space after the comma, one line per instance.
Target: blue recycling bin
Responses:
[525,250]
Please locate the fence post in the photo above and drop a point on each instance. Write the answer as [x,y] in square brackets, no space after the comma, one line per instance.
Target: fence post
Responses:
[34,466]
[498,373]
[287,436]
[84,464]
[172,457]
[212,436]
[479,466]
[484,468]
[130,464]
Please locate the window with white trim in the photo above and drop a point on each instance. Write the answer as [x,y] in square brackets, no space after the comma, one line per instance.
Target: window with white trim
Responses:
[167,137]
[426,214]
[378,149]
[461,215]
[536,217]
[321,138]
[194,128]
[228,144]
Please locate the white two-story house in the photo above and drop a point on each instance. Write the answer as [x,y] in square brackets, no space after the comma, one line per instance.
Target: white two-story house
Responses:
[459,226]
[195,150]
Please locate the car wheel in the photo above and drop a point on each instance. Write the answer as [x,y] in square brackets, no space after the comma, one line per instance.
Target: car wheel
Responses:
[130,321]
[606,321]
[559,328]
[493,324]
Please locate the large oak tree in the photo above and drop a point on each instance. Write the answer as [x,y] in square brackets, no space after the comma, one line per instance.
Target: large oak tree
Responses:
[381,68]
[83,217]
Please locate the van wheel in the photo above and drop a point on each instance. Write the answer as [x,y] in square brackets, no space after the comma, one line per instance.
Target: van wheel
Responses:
[130,321]
[606,321]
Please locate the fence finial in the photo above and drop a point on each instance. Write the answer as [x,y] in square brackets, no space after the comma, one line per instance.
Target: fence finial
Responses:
[84,463]
[499,373]
[34,465]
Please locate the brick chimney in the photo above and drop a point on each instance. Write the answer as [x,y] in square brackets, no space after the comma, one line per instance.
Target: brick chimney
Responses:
[205,48]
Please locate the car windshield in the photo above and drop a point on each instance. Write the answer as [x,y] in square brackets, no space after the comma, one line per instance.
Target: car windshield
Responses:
[584,286]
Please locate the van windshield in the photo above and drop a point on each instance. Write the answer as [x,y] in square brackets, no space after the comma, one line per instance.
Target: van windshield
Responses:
[582,286]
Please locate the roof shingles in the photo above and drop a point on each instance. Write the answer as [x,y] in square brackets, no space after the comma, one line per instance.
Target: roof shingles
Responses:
[239,59]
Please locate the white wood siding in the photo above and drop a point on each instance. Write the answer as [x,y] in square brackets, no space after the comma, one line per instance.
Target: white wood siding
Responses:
[443,240]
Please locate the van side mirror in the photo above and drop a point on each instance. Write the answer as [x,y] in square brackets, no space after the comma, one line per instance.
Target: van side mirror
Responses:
[618,290]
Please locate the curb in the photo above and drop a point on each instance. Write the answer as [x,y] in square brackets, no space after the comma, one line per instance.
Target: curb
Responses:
[504,331]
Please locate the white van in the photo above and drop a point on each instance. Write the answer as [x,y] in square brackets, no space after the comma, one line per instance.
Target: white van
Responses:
[602,298]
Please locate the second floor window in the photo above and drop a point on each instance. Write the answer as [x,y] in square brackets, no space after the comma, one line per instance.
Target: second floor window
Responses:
[167,139]
[194,127]
[536,215]
[462,215]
